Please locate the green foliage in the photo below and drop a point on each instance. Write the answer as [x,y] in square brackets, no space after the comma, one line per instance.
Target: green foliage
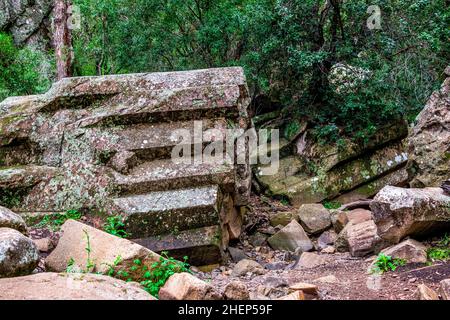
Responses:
[332,204]
[23,71]
[440,252]
[160,271]
[152,277]
[56,220]
[385,263]
[114,225]
[280,45]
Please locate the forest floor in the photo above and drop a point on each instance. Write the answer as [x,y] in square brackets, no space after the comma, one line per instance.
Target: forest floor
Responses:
[342,277]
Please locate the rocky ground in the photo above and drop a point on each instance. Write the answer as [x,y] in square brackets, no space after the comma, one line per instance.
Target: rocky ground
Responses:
[270,274]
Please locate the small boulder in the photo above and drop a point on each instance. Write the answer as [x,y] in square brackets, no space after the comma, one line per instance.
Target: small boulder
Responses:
[9,219]
[18,254]
[305,287]
[341,218]
[70,286]
[310,260]
[291,238]
[360,239]
[400,212]
[328,250]
[326,239]
[245,266]
[314,218]
[104,249]
[236,290]
[282,218]
[444,289]
[184,286]
[296,295]
[410,250]
[426,293]
[237,254]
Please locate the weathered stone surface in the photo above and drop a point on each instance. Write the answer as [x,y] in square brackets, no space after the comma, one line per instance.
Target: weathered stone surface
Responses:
[18,254]
[359,238]
[341,218]
[106,143]
[184,286]
[310,260]
[44,244]
[161,212]
[444,289]
[400,212]
[245,266]
[410,250]
[9,219]
[300,188]
[305,287]
[28,21]
[429,141]
[296,295]
[426,293]
[70,286]
[202,246]
[282,218]
[326,156]
[291,238]
[104,249]
[328,250]
[236,290]
[397,178]
[314,218]
[326,239]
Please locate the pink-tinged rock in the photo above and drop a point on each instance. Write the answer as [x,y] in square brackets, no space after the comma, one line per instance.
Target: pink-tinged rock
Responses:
[400,212]
[184,286]
[70,286]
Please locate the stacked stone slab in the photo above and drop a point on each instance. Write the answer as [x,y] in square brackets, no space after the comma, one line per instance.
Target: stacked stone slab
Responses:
[105,144]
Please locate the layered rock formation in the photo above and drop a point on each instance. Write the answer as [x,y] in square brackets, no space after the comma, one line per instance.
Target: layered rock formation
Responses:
[429,141]
[105,144]
[315,172]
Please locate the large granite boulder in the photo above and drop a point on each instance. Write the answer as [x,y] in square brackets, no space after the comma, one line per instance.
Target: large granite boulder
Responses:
[70,286]
[104,250]
[132,144]
[18,254]
[429,141]
[400,212]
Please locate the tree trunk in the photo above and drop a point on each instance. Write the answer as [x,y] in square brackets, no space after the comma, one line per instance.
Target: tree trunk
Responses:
[62,40]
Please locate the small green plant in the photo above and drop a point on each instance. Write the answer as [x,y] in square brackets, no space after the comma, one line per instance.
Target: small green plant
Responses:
[332,204]
[115,226]
[70,266]
[56,220]
[385,263]
[161,271]
[90,266]
[440,252]
[152,277]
